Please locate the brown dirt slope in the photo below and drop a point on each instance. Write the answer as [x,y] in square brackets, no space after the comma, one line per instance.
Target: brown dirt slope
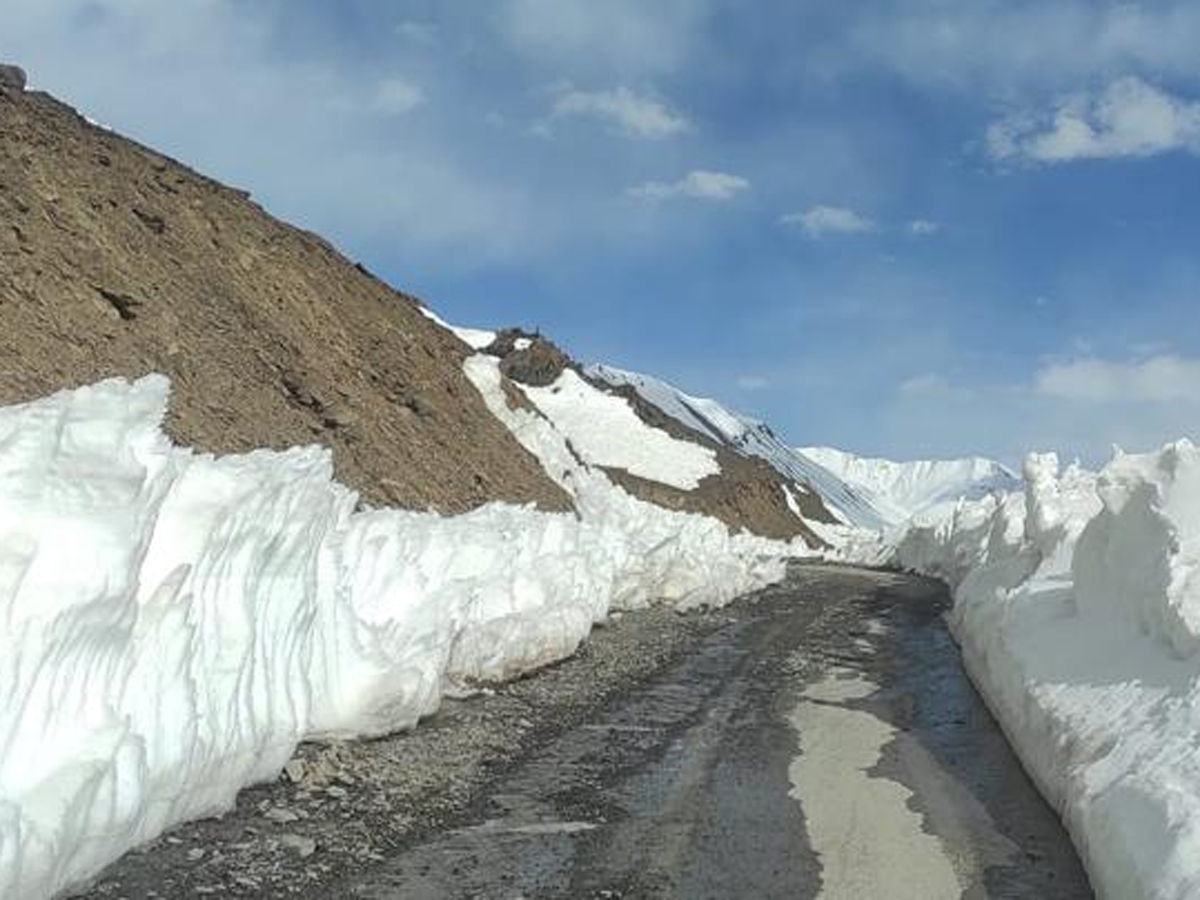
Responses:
[115,260]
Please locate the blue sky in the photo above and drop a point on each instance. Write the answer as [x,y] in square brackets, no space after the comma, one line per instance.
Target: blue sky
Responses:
[922,228]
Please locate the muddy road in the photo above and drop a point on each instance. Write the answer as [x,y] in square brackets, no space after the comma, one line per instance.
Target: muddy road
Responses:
[819,740]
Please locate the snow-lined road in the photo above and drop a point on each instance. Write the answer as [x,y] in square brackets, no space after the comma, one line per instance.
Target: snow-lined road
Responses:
[823,743]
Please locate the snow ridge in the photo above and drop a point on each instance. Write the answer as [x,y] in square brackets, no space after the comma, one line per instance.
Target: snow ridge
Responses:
[923,488]
[1077,608]
[175,623]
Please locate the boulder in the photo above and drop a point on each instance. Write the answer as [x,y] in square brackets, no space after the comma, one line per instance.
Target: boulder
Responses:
[12,77]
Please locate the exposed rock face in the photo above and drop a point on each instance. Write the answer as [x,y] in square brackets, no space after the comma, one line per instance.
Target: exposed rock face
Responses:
[115,260]
[528,358]
[12,77]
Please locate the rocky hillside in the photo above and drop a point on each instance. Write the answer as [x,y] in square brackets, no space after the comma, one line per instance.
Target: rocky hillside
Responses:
[115,260]
[611,424]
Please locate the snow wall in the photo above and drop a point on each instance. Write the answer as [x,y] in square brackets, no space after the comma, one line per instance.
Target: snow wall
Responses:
[175,623]
[1077,607]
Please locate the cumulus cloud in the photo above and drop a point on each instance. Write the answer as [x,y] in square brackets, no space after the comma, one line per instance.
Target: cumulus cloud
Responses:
[1129,118]
[923,227]
[818,221]
[1165,378]
[698,184]
[635,115]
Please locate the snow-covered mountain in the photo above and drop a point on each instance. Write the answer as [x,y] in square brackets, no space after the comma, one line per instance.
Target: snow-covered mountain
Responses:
[748,437]
[900,491]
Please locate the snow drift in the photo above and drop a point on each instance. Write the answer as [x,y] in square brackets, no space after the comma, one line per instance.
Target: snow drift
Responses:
[1077,606]
[175,623]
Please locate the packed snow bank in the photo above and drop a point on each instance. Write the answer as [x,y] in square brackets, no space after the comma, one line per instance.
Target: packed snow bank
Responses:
[749,438]
[1077,606]
[923,489]
[606,431]
[175,623]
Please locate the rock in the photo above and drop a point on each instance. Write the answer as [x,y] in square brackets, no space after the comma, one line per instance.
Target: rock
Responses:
[153,221]
[302,846]
[280,815]
[338,415]
[195,854]
[420,404]
[124,306]
[13,77]
[538,365]
[294,770]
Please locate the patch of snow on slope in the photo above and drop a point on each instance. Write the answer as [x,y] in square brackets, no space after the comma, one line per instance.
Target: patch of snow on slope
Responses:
[920,489]
[475,338]
[606,431]
[175,623]
[749,438]
[1077,606]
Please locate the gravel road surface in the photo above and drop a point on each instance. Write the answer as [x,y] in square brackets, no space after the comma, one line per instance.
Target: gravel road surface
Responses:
[817,740]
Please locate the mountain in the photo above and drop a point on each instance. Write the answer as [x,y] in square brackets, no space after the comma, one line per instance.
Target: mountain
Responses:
[254,496]
[116,260]
[904,490]
[749,439]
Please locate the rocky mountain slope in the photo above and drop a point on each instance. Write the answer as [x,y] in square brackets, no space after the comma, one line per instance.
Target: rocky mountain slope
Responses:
[654,453]
[818,494]
[115,260]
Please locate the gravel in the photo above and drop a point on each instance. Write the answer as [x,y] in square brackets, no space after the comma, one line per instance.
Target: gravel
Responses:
[340,807]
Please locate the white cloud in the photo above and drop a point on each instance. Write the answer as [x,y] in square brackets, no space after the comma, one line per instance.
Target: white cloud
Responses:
[818,221]
[638,116]
[1130,118]
[697,184]
[1165,378]
[396,96]
[752,383]
[923,227]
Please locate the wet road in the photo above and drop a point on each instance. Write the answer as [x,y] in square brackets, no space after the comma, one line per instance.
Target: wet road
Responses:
[823,742]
